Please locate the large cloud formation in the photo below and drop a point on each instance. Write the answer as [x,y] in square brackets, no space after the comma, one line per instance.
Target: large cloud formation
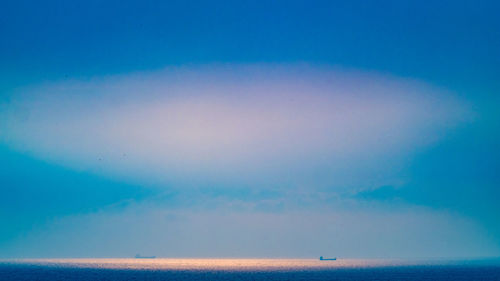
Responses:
[240,161]
[233,124]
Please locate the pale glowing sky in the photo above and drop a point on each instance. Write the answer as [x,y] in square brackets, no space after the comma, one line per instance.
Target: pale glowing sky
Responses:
[266,140]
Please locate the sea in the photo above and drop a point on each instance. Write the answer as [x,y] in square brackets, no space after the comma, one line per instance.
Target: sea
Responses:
[248,269]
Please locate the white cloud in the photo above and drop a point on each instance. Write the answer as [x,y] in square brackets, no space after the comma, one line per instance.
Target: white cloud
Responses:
[364,233]
[232,124]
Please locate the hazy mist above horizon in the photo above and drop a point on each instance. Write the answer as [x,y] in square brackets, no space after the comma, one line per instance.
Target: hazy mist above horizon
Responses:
[249,129]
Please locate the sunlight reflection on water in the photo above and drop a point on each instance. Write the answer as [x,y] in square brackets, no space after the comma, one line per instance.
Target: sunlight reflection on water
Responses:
[232,264]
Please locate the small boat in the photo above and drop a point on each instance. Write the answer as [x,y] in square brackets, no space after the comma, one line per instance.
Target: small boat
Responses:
[143,257]
[326,259]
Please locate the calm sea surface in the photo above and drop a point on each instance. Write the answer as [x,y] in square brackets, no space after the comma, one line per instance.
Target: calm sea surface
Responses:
[247,269]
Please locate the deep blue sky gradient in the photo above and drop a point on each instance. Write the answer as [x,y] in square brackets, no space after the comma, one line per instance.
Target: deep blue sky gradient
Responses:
[450,43]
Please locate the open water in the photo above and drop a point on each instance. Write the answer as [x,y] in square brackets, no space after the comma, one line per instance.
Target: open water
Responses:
[247,269]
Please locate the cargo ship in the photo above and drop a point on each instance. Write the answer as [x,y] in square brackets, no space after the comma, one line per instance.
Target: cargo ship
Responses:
[144,257]
[327,259]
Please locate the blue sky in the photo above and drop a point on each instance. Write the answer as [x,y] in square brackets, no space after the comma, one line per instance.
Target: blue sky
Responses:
[249,129]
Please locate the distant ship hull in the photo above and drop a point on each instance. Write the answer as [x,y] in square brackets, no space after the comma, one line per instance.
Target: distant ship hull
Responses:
[142,257]
[326,259]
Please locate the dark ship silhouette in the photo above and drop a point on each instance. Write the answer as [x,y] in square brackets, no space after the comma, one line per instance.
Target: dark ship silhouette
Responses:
[325,259]
[144,257]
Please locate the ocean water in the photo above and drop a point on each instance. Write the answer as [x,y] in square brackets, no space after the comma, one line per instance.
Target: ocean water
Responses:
[247,269]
